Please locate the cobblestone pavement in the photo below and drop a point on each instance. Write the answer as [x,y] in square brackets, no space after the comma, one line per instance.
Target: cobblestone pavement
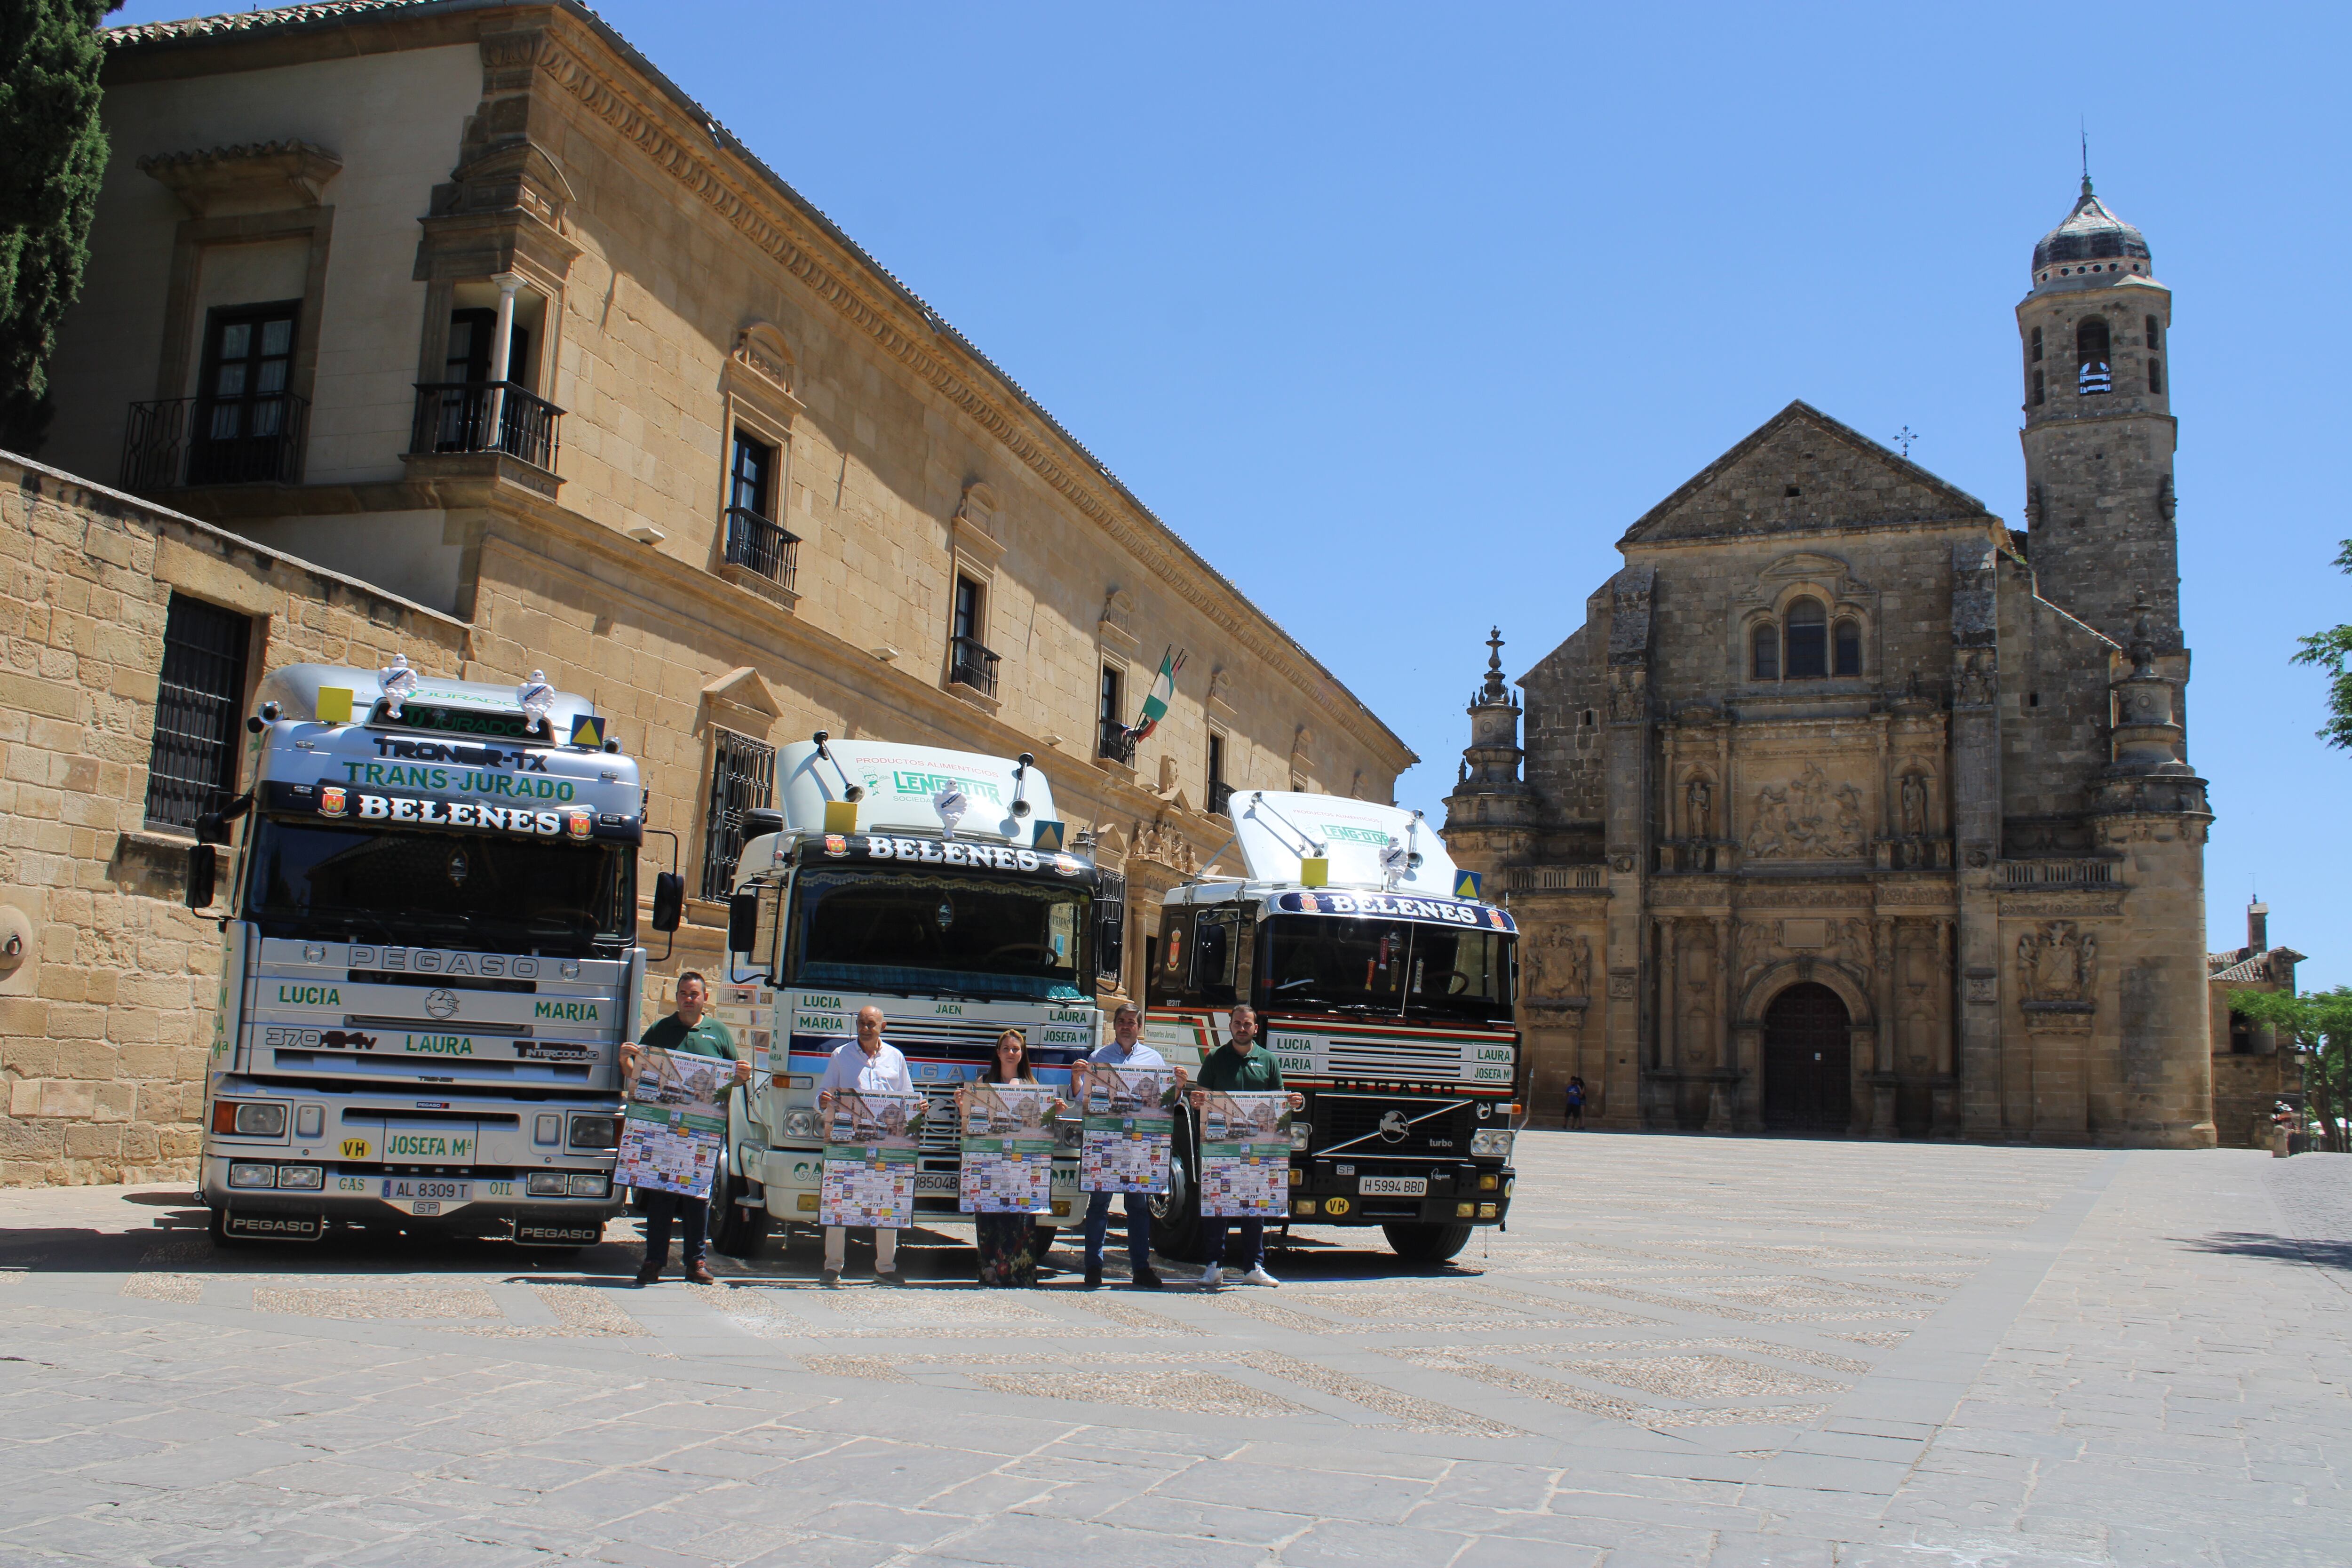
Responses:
[1686,1351]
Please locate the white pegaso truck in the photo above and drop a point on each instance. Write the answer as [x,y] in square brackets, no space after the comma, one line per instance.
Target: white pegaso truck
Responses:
[936,885]
[429,958]
[1384,987]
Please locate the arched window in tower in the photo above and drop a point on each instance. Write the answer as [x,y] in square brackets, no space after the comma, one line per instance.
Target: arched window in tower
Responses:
[1808,640]
[2155,334]
[2038,394]
[1764,651]
[2036,354]
[2155,375]
[2091,356]
[1846,648]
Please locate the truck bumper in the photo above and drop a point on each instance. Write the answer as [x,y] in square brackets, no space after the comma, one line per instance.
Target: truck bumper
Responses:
[496,1205]
[1460,1194]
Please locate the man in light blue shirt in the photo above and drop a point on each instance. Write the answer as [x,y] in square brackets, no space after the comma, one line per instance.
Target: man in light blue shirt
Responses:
[1126,1049]
[872,1065]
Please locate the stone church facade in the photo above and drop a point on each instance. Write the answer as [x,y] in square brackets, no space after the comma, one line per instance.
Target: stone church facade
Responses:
[1850,809]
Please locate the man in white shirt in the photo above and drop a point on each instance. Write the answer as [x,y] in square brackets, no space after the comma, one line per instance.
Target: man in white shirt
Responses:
[1126,1049]
[870,1065]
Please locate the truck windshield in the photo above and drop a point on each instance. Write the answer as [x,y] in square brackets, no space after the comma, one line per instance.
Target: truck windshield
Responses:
[1406,968]
[450,890]
[921,934]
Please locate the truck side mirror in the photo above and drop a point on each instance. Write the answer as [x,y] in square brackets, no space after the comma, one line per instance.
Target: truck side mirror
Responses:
[669,900]
[742,922]
[204,871]
[212,827]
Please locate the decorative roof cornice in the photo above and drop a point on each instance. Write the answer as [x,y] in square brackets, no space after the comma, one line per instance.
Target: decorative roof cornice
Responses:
[766,210]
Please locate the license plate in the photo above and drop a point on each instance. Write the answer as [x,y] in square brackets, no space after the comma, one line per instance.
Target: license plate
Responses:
[1393,1186]
[417,1189]
[937,1181]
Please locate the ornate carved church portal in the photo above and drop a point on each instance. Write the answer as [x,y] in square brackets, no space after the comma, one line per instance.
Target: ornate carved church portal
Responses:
[1807,1061]
[1850,807]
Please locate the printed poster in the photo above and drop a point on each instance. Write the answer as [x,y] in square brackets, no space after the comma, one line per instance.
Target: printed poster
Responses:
[750,1014]
[870,1143]
[675,1121]
[1244,1155]
[1130,1125]
[1008,1149]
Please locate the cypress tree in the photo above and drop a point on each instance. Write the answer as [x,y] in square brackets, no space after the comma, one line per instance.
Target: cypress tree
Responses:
[52,157]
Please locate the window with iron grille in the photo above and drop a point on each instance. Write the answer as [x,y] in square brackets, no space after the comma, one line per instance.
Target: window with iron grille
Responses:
[192,768]
[742,778]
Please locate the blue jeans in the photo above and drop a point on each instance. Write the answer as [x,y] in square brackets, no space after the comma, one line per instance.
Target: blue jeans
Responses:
[691,1215]
[1138,1228]
[1213,1231]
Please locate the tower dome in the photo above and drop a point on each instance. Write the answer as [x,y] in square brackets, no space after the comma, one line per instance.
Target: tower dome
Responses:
[2091,240]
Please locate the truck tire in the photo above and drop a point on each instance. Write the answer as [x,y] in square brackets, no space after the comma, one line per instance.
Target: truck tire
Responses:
[1176,1213]
[737,1231]
[1427,1243]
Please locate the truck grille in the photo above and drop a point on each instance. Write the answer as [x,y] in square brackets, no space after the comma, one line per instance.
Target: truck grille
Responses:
[1357,1120]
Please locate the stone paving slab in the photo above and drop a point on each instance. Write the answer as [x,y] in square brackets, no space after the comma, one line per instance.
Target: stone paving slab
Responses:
[1712,1353]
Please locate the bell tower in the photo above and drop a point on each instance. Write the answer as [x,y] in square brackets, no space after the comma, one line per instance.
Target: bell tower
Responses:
[2095,332]
[1490,814]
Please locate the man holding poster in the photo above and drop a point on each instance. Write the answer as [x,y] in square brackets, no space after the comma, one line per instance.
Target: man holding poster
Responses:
[669,1202]
[1237,1067]
[1126,1060]
[867,1065]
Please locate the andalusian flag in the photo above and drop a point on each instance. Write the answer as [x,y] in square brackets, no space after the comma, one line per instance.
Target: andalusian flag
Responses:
[1162,692]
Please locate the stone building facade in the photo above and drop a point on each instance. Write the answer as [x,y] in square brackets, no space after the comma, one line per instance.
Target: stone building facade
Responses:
[105,995]
[1849,809]
[2252,1074]
[498,319]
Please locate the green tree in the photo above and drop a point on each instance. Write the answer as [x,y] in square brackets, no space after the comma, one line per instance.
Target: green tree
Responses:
[2332,651]
[2321,1024]
[55,157]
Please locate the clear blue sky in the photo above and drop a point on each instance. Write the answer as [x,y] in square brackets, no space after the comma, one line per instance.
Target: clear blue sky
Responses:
[1400,316]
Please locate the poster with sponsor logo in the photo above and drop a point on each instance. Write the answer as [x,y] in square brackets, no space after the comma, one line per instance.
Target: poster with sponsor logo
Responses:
[870,1143]
[1244,1154]
[1129,1126]
[674,1122]
[1008,1149]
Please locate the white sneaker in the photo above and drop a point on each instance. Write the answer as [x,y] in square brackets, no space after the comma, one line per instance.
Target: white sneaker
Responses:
[1258,1276]
[1212,1277]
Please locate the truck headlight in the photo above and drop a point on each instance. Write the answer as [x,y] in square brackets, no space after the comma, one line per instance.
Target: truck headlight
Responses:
[799,1121]
[249,1119]
[548,1184]
[1302,1133]
[596,1133]
[303,1178]
[243,1175]
[1491,1143]
[593,1185]
[1069,1133]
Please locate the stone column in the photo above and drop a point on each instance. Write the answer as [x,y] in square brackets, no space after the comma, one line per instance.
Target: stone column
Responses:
[1669,979]
[1976,827]
[1882,1087]
[1946,1093]
[502,354]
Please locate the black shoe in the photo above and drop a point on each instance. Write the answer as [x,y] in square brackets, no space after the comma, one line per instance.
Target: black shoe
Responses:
[1145,1280]
[647,1277]
[891,1277]
[1094,1276]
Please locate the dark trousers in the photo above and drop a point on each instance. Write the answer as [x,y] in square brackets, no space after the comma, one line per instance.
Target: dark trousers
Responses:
[1138,1228]
[1213,1231]
[664,1209]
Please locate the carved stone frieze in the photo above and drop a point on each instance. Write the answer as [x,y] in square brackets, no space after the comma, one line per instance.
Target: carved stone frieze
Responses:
[2066,906]
[2057,960]
[1557,965]
[1811,817]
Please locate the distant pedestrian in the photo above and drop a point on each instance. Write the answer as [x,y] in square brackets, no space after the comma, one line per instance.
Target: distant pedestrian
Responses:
[1575,1103]
[867,1065]
[684,1030]
[1007,1242]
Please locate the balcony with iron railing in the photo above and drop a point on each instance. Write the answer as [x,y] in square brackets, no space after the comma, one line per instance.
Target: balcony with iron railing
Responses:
[1114,743]
[175,442]
[756,544]
[969,663]
[456,416]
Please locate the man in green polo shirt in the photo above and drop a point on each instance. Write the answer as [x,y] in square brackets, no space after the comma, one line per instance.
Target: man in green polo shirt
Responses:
[691,1030]
[1237,1067]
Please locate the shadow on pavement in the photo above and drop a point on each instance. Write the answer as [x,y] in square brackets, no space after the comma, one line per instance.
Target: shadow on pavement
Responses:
[2284,1248]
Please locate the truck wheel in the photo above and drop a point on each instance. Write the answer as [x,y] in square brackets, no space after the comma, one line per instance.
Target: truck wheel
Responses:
[737,1231]
[1176,1213]
[1427,1243]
